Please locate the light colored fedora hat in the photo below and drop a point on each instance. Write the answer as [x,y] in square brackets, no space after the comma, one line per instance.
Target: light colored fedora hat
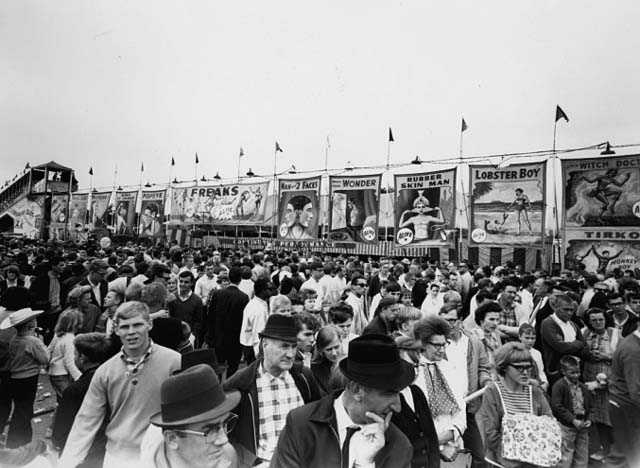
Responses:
[19,316]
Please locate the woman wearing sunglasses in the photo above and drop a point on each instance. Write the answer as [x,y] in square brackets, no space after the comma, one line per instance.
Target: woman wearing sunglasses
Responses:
[511,393]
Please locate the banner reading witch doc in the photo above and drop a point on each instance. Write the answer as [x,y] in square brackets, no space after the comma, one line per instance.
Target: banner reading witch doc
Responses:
[101,212]
[602,192]
[298,208]
[425,208]
[232,204]
[151,213]
[507,205]
[355,204]
[125,214]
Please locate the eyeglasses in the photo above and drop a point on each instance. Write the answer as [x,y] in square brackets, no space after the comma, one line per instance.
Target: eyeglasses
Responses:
[521,367]
[214,429]
[438,345]
[364,285]
[613,304]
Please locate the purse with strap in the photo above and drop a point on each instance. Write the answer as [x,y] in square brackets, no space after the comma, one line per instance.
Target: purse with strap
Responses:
[529,438]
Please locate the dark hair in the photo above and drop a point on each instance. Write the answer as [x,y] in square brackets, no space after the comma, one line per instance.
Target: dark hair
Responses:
[383,304]
[511,352]
[593,311]
[156,270]
[526,328]
[246,273]
[483,294]
[261,285]
[235,274]
[569,361]
[305,318]
[392,286]
[425,328]
[187,274]
[340,312]
[527,280]
[95,346]
[484,309]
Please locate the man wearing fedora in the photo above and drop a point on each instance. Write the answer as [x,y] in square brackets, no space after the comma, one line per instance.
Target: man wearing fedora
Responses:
[270,387]
[126,388]
[195,418]
[352,428]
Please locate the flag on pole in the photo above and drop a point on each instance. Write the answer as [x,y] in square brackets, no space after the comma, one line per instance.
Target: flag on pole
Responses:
[464,125]
[241,152]
[391,135]
[141,167]
[278,147]
[173,162]
[197,160]
[91,171]
[560,114]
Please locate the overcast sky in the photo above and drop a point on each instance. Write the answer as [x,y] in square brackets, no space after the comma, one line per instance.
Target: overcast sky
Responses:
[106,83]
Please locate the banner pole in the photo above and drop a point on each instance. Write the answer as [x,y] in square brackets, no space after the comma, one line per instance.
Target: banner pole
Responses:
[274,233]
[556,235]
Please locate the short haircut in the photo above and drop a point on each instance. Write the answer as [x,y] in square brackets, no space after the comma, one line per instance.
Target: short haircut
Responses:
[246,273]
[309,320]
[154,295]
[235,274]
[68,321]
[95,346]
[425,328]
[527,280]
[384,303]
[130,309]
[556,299]
[261,285]
[614,295]
[451,296]
[133,292]
[526,328]
[340,312]
[392,286]
[406,314]
[316,266]
[484,309]
[279,301]
[569,362]
[448,307]
[97,265]
[483,295]
[509,353]
[157,270]
[73,298]
[187,274]
[118,295]
[307,293]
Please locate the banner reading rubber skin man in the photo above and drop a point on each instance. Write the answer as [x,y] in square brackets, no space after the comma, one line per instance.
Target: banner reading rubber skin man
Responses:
[425,208]
[355,204]
[298,208]
[507,204]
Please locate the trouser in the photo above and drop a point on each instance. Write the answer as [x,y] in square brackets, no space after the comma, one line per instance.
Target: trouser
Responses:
[575,447]
[625,450]
[23,394]
[5,400]
[473,441]
[59,383]
[231,356]
[249,354]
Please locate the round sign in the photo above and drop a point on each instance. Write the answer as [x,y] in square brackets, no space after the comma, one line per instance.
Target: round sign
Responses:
[368,233]
[636,209]
[284,230]
[478,235]
[404,236]
[105,242]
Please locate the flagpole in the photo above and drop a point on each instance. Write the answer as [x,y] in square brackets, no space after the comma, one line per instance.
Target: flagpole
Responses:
[386,224]
[274,233]
[325,224]
[555,195]
[239,156]
[463,127]
[196,168]
[115,177]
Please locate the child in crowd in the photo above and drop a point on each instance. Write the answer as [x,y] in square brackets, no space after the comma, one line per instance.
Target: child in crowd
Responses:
[571,404]
[527,335]
[341,315]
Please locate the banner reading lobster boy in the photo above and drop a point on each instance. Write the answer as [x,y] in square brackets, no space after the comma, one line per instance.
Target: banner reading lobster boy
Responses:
[298,208]
[425,208]
[507,204]
[355,204]
[233,204]
[602,212]
[151,213]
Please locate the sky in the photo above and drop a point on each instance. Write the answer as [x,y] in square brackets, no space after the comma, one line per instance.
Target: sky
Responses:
[115,83]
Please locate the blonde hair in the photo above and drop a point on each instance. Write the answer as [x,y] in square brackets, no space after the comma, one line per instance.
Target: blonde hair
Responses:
[130,309]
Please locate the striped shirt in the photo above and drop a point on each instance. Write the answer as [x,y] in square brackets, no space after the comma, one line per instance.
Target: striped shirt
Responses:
[518,401]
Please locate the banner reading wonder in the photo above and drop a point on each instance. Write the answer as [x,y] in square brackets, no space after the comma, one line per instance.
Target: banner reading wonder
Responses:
[125,214]
[425,208]
[507,205]
[232,204]
[151,213]
[298,208]
[355,204]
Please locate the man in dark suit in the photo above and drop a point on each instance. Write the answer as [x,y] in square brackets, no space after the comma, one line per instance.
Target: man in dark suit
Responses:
[224,321]
[45,294]
[95,279]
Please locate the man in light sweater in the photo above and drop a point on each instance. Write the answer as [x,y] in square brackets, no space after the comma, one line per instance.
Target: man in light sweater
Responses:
[126,388]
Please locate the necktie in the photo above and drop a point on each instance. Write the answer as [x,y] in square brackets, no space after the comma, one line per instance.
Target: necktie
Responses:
[345,447]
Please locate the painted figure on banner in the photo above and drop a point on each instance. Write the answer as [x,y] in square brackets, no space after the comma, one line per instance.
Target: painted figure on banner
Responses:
[355,203]
[507,205]
[425,208]
[602,192]
[27,217]
[125,213]
[603,257]
[101,212]
[298,209]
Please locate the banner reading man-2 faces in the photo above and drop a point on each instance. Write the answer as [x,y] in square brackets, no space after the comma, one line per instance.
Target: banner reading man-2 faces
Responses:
[355,204]
[298,208]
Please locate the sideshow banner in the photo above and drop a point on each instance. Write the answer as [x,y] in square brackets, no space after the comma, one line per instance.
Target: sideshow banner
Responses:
[125,213]
[78,210]
[355,204]
[507,205]
[101,211]
[151,213]
[232,204]
[602,192]
[602,256]
[298,208]
[27,217]
[425,208]
[59,218]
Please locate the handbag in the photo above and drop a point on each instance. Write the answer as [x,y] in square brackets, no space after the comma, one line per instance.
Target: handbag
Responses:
[529,438]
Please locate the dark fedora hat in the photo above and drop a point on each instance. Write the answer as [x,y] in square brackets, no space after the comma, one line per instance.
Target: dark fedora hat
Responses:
[280,327]
[193,396]
[202,356]
[374,361]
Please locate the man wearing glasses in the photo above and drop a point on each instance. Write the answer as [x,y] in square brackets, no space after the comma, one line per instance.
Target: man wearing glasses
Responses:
[624,322]
[355,299]
[195,419]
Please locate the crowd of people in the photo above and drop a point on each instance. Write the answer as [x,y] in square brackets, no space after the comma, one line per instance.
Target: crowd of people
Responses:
[168,356]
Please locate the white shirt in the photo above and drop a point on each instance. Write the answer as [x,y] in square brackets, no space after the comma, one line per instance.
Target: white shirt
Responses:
[432,305]
[343,421]
[246,286]
[254,319]
[526,302]
[96,290]
[457,360]
[204,286]
[568,331]
[360,320]
[537,358]
[316,286]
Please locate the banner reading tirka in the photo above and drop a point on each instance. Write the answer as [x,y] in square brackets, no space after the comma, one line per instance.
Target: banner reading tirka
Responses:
[425,208]
[151,213]
[232,204]
[125,213]
[355,204]
[298,208]
[602,192]
[507,205]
